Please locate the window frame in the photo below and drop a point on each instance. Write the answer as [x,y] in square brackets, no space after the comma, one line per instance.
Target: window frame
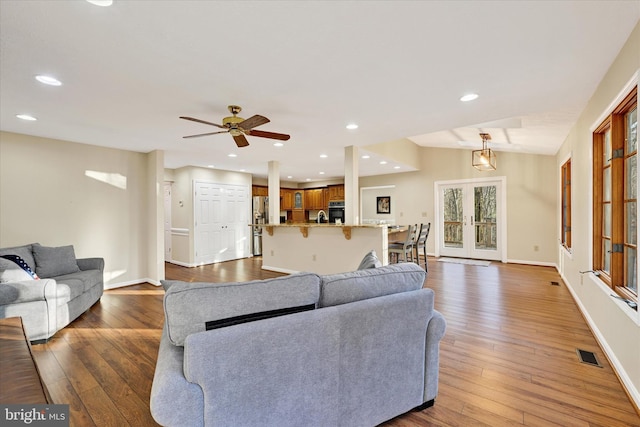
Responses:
[614,124]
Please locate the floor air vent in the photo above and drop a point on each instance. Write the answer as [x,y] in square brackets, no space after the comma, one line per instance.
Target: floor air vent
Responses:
[588,357]
[555,283]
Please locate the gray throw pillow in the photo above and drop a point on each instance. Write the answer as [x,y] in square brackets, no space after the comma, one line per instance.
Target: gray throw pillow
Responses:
[370,260]
[53,262]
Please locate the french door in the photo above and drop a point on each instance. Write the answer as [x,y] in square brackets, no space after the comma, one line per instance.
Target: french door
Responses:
[471,220]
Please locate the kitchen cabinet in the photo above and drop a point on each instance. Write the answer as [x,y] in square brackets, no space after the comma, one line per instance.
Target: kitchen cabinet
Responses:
[314,199]
[259,190]
[336,192]
[286,199]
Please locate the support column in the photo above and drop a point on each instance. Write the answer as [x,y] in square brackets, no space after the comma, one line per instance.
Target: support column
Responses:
[274,192]
[351,190]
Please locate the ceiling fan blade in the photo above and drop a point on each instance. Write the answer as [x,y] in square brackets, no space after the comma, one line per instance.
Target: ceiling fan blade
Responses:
[272,135]
[241,141]
[253,121]
[202,121]
[205,134]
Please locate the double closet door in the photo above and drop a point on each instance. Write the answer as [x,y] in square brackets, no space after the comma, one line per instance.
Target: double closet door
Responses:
[221,215]
[471,222]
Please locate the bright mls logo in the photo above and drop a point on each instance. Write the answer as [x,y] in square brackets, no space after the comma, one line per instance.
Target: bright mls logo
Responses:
[35,415]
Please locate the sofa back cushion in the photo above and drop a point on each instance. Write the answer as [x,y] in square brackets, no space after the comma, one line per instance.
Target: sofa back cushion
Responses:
[23,252]
[358,285]
[53,262]
[188,307]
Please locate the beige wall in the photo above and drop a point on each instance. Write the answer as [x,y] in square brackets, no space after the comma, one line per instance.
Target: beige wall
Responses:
[616,326]
[532,183]
[97,199]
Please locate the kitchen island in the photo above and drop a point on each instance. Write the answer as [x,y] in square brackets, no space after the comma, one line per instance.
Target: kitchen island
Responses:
[321,248]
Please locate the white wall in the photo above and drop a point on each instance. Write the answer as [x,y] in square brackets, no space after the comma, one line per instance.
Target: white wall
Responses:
[97,199]
[616,326]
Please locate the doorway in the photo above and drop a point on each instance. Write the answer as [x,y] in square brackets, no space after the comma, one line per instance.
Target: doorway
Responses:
[471,219]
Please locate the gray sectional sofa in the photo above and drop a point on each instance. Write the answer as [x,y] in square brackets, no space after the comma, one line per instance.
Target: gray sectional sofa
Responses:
[59,290]
[352,349]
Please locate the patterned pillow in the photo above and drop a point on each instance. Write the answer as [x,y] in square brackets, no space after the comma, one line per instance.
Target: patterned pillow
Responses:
[14,269]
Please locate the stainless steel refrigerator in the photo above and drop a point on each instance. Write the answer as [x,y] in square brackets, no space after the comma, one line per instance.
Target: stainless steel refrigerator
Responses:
[260,216]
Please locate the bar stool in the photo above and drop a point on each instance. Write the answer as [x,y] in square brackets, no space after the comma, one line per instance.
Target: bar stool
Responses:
[404,248]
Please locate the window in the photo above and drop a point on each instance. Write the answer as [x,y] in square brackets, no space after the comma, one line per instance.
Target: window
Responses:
[565,171]
[615,183]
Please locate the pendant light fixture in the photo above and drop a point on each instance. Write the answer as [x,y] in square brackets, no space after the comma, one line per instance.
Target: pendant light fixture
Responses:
[485,159]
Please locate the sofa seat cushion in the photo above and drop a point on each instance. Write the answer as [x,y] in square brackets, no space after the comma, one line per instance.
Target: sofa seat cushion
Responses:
[189,306]
[358,285]
[79,282]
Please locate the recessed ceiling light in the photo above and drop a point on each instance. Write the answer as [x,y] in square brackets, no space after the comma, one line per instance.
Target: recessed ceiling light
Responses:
[26,117]
[243,170]
[210,166]
[233,155]
[101,2]
[469,97]
[321,173]
[48,80]
[383,162]
[323,156]
[308,179]
[289,176]
[278,144]
[352,126]
[366,156]
[396,167]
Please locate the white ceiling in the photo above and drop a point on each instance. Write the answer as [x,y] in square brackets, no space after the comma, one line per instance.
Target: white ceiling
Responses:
[396,68]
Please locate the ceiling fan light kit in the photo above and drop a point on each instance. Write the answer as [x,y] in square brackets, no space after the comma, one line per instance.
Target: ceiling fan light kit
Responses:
[484,159]
[239,127]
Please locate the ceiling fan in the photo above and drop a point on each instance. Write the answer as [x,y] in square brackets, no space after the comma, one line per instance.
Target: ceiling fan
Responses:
[239,127]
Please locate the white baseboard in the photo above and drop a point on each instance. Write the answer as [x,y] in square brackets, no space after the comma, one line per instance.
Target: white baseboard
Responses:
[632,391]
[540,263]
[131,282]
[279,270]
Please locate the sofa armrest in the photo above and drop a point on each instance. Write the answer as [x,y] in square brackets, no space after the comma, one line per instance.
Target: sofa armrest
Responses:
[171,390]
[27,291]
[435,331]
[90,263]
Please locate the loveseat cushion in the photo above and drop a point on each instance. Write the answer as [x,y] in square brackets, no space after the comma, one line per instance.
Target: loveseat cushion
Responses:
[52,262]
[358,285]
[189,306]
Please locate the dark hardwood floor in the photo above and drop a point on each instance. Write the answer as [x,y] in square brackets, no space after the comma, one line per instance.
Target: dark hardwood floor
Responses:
[508,357]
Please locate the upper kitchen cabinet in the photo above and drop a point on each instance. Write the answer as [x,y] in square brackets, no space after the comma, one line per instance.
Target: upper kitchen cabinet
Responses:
[286,199]
[259,190]
[336,192]
[314,199]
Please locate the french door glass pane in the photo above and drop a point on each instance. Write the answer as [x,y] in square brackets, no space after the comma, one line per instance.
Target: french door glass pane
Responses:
[606,220]
[630,260]
[453,215]
[606,256]
[631,175]
[607,148]
[632,131]
[631,223]
[485,226]
[606,185]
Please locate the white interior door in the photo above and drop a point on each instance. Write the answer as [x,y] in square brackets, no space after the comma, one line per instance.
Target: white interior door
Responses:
[221,222]
[471,219]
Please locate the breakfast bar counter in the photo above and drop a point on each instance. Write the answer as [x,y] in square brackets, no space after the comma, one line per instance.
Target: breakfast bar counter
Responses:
[321,248]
